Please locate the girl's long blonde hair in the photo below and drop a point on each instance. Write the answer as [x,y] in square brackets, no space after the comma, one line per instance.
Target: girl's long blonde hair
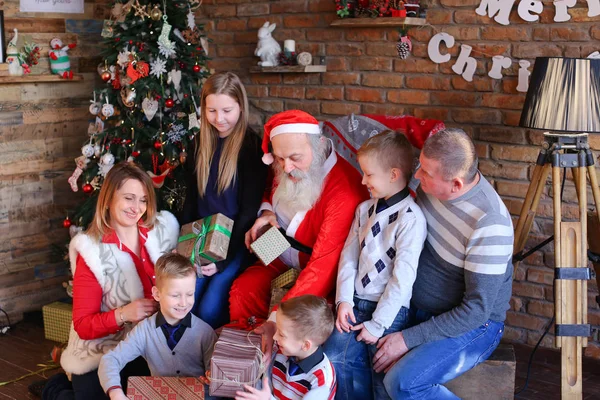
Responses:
[114,180]
[228,84]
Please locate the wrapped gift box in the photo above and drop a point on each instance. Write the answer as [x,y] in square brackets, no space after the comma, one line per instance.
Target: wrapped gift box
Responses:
[207,240]
[286,280]
[235,362]
[57,321]
[270,245]
[276,296]
[159,388]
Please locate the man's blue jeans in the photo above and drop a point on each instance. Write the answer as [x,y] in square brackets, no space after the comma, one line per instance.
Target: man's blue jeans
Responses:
[353,360]
[421,373]
[212,293]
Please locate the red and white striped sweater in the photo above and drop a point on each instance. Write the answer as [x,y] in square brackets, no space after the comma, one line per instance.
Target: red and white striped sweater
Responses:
[317,384]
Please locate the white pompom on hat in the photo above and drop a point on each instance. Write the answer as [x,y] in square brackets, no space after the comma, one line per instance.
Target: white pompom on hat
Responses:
[291,121]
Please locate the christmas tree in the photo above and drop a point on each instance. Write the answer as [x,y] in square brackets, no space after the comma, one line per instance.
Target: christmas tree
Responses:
[154,64]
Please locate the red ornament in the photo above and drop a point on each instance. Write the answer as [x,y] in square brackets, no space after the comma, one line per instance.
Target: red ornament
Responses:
[131,42]
[169,102]
[117,39]
[67,223]
[87,188]
[157,145]
[196,68]
[106,76]
[135,153]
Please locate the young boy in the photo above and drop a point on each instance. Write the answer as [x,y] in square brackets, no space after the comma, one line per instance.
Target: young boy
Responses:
[173,341]
[300,370]
[378,265]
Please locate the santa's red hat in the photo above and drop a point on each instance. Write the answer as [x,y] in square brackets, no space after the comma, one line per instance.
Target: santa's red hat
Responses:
[291,121]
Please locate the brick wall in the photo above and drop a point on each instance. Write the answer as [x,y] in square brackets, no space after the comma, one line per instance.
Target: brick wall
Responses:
[364,75]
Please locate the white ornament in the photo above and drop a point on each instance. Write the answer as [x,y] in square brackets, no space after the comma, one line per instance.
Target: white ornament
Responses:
[560,13]
[465,64]
[204,44]
[433,48]
[150,107]
[108,110]
[97,150]
[526,8]
[95,107]
[193,118]
[191,20]
[176,133]
[493,7]
[523,76]
[267,49]
[163,39]
[87,150]
[175,78]
[123,57]
[304,58]
[106,163]
[499,62]
[158,67]
[167,52]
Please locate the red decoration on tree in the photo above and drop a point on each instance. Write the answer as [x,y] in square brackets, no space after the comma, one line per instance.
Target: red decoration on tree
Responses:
[67,223]
[105,76]
[169,102]
[135,153]
[196,68]
[157,145]
[87,188]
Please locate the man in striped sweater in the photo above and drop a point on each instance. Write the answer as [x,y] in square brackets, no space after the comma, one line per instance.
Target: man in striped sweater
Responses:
[464,278]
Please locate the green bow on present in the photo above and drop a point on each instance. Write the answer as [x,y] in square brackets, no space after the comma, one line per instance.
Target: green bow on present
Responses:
[199,233]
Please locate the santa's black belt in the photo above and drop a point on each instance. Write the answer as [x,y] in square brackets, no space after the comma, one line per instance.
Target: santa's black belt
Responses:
[296,244]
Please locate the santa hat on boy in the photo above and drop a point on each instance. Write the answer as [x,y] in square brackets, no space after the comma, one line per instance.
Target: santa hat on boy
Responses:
[291,121]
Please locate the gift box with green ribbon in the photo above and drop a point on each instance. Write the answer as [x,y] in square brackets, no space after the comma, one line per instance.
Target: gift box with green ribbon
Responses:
[207,240]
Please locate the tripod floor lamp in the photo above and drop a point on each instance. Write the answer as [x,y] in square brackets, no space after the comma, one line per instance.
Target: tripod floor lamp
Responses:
[564,100]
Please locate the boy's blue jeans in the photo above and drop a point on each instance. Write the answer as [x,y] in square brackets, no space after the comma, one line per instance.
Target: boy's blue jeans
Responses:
[212,293]
[421,373]
[353,360]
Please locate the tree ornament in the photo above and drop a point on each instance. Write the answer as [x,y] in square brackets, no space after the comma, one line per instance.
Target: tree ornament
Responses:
[140,11]
[166,47]
[193,121]
[404,46]
[135,153]
[87,150]
[158,67]
[106,163]
[155,13]
[137,70]
[87,188]
[182,156]
[157,145]
[149,107]
[67,223]
[108,110]
[128,96]
[169,103]
[196,68]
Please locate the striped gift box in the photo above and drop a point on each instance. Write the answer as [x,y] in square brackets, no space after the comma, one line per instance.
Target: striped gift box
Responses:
[285,280]
[57,321]
[162,388]
[236,361]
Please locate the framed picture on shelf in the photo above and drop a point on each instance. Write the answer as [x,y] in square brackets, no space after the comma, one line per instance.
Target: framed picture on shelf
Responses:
[2,39]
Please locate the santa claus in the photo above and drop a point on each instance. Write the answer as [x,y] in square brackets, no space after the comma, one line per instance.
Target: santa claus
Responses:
[313,198]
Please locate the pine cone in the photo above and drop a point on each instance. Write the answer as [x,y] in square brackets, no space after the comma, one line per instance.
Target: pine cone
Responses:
[403,50]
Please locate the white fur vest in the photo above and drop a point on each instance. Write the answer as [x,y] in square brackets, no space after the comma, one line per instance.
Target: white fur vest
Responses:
[116,273]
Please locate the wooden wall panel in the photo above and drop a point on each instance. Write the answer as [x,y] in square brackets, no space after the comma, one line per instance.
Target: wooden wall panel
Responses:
[42,129]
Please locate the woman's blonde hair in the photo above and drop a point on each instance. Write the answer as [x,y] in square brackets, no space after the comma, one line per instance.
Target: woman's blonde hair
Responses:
[114,180]
[228,84]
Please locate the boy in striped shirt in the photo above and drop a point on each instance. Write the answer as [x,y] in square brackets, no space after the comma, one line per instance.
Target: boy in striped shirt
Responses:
[300,370]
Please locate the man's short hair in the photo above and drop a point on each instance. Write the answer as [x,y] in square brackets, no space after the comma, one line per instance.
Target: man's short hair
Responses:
[172,266]
[311,316]
[392,150]
[454,150]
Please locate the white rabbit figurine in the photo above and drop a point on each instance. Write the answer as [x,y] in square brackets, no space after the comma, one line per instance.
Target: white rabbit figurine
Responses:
[267,49]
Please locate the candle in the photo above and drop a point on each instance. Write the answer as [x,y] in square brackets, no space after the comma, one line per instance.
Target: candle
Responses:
[289,45]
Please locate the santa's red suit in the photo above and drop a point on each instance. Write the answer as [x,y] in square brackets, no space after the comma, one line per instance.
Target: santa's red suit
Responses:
[323,228]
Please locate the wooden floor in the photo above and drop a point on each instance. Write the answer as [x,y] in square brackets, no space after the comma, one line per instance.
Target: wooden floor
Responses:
[24,347]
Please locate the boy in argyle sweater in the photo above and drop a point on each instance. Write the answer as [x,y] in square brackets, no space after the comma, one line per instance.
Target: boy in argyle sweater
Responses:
[377,267]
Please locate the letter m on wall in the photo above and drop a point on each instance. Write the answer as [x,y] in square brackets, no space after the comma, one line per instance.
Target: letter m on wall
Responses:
[499,8]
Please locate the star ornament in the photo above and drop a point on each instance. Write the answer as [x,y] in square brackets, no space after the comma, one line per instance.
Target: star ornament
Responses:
[140,11]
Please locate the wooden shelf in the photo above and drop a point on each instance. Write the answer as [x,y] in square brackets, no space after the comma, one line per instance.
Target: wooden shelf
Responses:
[297,69]
[366,22]
[38,79]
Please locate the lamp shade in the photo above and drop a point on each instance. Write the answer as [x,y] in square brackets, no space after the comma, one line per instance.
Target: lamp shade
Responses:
[563,95]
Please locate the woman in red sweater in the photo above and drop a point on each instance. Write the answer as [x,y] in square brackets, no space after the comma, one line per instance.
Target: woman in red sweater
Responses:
[113,274]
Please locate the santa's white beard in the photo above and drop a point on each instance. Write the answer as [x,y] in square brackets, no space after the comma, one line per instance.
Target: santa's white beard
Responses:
[302,194]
